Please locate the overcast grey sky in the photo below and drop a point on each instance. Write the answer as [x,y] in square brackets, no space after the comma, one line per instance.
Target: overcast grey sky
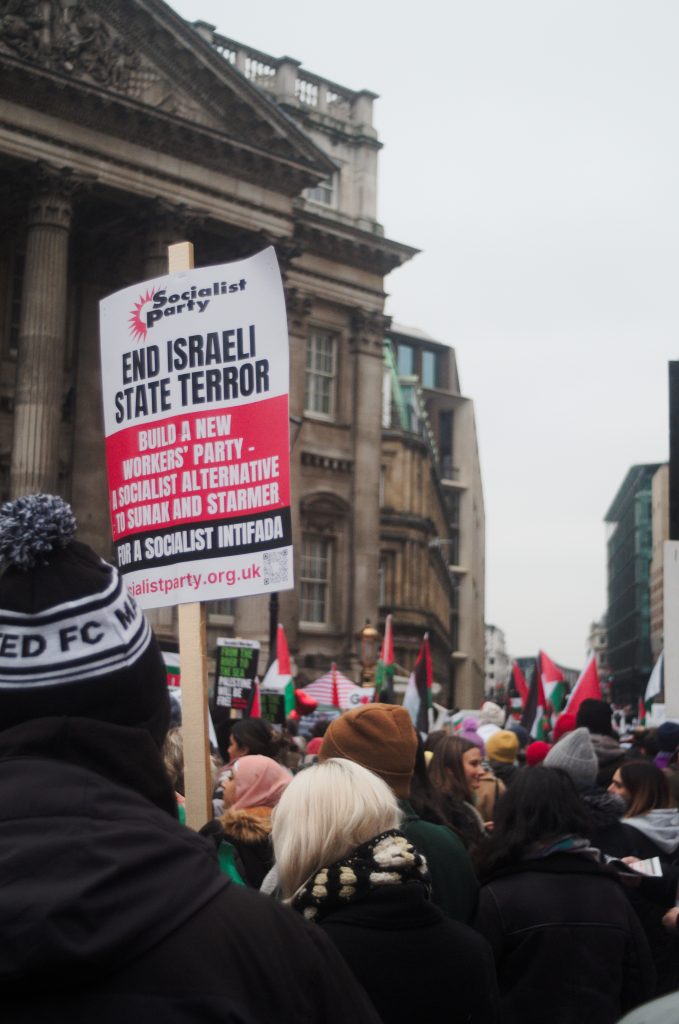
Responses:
[531,152]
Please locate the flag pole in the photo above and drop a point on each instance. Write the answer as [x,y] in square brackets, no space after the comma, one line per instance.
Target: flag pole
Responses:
[193,663]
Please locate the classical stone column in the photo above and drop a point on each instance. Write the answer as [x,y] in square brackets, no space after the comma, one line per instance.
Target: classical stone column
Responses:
[42,338]
[368,329]
[162,224]
[299,307]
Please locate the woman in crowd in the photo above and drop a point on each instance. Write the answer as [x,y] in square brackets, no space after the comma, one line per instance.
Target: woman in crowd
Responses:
[650,812]
[252,736]
[245,736]
[456,772]
[343,863]
[253,788]
[567,944]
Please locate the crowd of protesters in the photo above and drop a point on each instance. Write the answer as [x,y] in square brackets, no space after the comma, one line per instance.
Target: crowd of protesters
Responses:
[371,873]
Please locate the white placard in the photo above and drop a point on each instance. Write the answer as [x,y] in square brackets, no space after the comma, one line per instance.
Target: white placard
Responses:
[195,386]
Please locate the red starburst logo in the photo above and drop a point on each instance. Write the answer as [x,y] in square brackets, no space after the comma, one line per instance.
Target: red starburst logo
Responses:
[138,328]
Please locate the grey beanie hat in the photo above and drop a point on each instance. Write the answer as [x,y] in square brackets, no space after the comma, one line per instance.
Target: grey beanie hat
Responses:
[575,754]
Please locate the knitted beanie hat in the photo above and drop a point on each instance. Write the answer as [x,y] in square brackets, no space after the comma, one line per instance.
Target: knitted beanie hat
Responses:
[536,752]
[596,716]
[381,737]
[491,714]
[564,723]
[523,734]
[667,736]
[72,640]
[502,746]
[575,754]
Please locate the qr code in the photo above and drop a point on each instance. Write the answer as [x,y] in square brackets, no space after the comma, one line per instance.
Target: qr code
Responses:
[275,567]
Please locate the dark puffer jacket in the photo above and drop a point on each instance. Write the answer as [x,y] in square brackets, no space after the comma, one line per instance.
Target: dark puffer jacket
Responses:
[568,946]
[112,911]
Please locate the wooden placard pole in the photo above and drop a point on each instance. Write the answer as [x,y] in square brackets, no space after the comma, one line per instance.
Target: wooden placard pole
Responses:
[193,664]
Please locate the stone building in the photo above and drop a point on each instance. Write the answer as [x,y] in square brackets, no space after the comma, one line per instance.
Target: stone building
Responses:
[597,644]
[498,663]
[432,518]
[124,129]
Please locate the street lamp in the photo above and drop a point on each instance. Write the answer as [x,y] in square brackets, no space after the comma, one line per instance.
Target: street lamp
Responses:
[369,643]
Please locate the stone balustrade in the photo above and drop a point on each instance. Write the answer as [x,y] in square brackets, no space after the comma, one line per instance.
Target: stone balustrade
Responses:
[285,78]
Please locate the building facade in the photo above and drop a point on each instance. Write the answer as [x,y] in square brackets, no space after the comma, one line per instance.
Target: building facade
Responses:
[432,516]
[498,664]
[628,617]
[124,129]
[597,644]
[660,532]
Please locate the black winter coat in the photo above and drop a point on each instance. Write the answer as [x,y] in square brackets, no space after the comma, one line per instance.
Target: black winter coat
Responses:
[568,946]
[416,964]
[111,911]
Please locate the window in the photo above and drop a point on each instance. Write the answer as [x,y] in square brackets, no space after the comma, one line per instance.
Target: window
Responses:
[430,377]
[406,361]
[324,192]
[319,380]
[315,579]
[226,608]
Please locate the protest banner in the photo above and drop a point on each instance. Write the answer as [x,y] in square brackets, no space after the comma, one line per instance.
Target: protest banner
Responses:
[235,673]
[195,388]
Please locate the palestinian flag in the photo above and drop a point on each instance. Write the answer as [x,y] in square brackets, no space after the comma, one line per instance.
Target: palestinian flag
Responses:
[384,674]
[277,693]
[553,682]
[534,717]
[587,687]
[418,699]
[655,685]
[520,684]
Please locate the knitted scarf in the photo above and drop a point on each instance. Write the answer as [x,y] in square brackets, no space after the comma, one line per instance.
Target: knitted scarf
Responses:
[388,859]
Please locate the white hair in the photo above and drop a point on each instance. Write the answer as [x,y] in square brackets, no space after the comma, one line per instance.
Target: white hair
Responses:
[325,813]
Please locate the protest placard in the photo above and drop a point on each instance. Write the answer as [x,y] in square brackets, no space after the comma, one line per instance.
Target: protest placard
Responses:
[195,387]
[236,669]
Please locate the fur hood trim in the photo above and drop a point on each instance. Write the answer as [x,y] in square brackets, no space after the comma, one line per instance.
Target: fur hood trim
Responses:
[249,825]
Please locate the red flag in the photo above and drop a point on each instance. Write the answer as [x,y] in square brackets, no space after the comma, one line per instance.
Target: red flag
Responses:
[641,713]
[587,687]
[550,672]
[335,691]
[282,653]
[255,707]
[520,683]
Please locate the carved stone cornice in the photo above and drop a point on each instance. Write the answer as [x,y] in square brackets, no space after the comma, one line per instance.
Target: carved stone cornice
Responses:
[299,307]
[347,244]
[368,329]
[324,512]
[51,200]
[331,462]
[140,72]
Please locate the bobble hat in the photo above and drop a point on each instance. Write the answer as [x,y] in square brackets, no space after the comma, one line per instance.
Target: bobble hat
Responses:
[74,641]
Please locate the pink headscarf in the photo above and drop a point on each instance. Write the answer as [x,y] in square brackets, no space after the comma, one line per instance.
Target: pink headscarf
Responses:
[260,781]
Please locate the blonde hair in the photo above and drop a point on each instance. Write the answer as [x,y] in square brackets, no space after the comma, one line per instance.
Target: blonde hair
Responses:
[325,813]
